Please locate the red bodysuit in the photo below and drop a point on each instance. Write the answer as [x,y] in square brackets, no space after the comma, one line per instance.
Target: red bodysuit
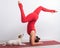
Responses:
[32,17]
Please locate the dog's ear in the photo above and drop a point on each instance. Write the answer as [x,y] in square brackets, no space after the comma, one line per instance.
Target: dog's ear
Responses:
[19,36]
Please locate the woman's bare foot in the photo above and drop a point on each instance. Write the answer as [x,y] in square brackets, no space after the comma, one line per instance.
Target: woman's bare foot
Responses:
[18,1]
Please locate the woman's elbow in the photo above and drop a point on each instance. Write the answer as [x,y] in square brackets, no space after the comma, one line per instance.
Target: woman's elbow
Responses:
[32,43]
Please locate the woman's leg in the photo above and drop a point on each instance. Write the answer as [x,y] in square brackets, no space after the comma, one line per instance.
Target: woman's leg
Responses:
[23,17]
[37,10]
[41,8]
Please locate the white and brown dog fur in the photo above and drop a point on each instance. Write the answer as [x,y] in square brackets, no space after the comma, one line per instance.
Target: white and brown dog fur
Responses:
[14,42]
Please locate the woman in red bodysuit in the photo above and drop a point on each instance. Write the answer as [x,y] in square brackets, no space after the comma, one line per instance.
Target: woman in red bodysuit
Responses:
[31,19]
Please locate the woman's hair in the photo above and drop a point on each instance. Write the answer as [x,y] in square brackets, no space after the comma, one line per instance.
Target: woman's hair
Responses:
[37,39]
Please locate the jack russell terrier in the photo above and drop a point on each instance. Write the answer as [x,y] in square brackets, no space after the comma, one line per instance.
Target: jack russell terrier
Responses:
[14,42]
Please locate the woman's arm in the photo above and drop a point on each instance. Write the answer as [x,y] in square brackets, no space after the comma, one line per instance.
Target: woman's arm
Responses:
[32,38]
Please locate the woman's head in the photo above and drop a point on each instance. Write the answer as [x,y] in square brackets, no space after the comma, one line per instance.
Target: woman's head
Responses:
[37,39]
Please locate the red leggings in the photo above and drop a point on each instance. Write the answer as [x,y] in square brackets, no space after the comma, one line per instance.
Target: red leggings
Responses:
[32,17]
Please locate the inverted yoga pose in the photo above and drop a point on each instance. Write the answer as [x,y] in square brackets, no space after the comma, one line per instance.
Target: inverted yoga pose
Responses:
[31,19]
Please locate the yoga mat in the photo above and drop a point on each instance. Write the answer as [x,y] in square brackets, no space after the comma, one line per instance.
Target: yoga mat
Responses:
[45,43]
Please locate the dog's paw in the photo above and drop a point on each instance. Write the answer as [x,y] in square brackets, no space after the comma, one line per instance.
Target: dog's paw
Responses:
[22,44]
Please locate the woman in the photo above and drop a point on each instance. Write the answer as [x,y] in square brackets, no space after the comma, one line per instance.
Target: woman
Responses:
[31,19]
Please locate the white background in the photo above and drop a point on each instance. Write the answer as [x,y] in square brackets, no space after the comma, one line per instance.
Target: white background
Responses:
[47,26]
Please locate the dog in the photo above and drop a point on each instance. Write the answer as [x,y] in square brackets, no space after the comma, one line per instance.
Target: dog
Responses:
[14,42]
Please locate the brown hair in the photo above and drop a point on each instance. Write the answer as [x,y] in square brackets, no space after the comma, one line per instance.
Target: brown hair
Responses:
[19,36]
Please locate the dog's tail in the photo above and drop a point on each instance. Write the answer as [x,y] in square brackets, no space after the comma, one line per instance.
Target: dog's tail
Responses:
[4,44]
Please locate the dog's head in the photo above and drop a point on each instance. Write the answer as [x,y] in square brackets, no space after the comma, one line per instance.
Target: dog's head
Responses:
[20,36]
